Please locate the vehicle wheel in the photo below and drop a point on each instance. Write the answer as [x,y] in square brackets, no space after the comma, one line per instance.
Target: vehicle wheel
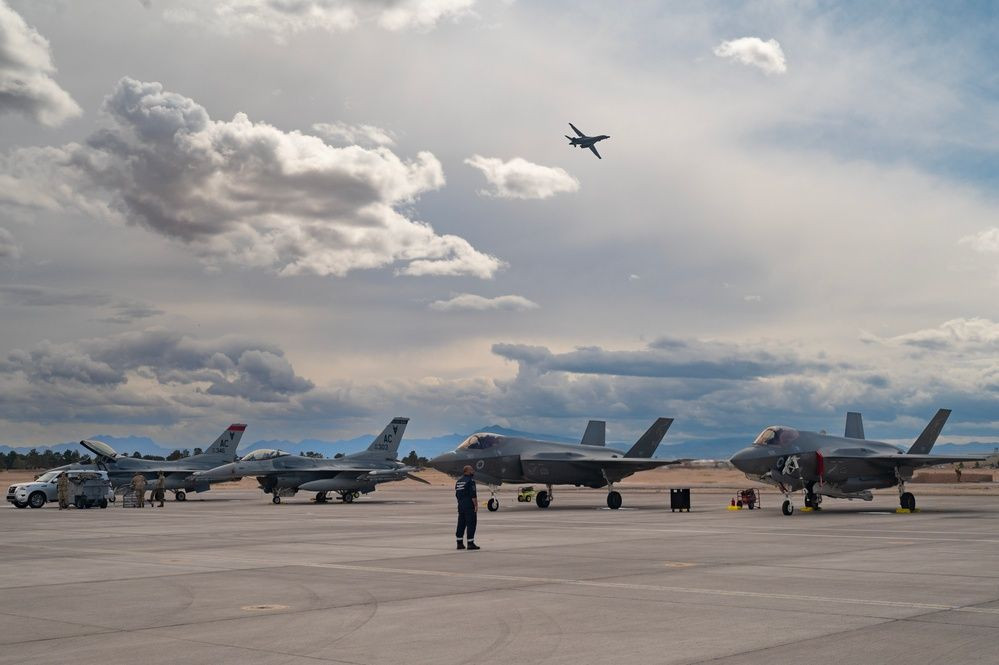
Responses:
[908,501]
[113,498]
[520,499]
[276,499]
[104,503]
[493,505]
[348,497]
[787,508]
[542,499]
[36,499]
[20,505]
[614,500]
[180,495]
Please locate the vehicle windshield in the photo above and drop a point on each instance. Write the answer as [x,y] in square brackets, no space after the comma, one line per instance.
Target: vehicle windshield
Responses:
[262,454]
[478,442]
[46,477]
[776,436]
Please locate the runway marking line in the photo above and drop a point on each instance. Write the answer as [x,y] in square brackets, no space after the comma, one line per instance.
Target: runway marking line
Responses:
[734,593]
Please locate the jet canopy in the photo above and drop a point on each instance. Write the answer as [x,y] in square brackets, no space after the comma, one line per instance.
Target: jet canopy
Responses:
[263,454]
[776,436]
[478,442]
[100,449]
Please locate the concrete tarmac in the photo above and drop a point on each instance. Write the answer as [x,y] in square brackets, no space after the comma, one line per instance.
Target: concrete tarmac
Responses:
[227,577]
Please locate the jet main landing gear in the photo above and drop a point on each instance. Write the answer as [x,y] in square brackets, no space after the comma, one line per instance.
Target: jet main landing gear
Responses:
[614,500]
[543,498]
[321,497]
[905,499]
[180,495]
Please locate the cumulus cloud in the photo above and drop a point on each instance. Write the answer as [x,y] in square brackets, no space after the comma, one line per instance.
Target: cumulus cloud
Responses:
[26,69]
[974,335]
[283,19]
[243,192]
[986,241]
[344,133]
[155,374]
[765,55]
[469,301]
[9,249]
[521,179]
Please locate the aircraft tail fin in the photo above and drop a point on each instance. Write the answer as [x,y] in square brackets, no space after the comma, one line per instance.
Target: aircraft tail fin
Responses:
[595,434]
[924,443]
[648,442]
[386,445]
[854,425]
[225,446]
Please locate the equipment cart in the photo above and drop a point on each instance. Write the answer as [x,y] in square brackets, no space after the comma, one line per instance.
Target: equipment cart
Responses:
[87,490]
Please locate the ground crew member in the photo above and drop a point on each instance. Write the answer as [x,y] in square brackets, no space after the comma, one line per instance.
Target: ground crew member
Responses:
[62,488]
[139,487]
[159,491]
[464,492]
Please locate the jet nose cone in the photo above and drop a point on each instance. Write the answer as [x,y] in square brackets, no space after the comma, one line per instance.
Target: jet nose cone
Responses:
[443,462]
[742,460]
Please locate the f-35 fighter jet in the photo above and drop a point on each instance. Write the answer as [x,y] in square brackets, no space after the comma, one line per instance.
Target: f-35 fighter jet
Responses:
[846,467]
[283,474]
[499,459]
[584,141]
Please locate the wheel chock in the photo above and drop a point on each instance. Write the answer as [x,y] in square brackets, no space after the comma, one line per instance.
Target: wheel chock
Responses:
[906,511]
[735,507]
[806,509]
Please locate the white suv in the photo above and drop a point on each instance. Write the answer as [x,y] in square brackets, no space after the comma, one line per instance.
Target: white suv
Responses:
[46,488]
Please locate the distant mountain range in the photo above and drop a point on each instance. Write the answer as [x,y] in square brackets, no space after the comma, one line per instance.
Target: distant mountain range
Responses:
[721,448]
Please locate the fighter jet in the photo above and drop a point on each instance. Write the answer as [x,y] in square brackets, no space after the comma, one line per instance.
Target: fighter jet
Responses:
[178,474]
[584,141]
[844,468]
[499,459]
[283,474]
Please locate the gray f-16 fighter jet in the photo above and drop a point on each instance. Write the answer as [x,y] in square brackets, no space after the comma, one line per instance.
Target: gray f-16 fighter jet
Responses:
[846,467]
[283,474]
[499,459]
[584,141]
[178,474]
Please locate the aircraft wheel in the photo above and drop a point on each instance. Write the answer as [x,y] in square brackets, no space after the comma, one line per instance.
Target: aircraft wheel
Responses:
[542,499]
[493,505]
[348,497]
[36,500]
[320,497]
[908,501]
[614,500]
[180,495]
[276,499]
[787,508]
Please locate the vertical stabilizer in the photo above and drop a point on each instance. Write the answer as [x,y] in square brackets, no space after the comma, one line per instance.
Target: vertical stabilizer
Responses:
[647,444]
[854,425]
[386,445]
[595,434]
[225,446]
[925,442]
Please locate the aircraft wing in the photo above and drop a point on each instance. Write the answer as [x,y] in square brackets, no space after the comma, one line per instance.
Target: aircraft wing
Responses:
[903,459]
[594,149]
[575,129]
[613,469]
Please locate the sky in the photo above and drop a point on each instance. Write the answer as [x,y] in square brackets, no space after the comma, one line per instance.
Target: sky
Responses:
[314,215]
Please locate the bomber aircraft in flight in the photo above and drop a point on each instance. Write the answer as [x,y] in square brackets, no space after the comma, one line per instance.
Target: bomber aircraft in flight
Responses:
[283,474]
[584,141]
[499,459]
[846,467]
[178,474]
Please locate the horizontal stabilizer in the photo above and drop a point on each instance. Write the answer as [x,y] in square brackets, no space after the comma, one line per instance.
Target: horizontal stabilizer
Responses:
[854,425]
[925,442]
